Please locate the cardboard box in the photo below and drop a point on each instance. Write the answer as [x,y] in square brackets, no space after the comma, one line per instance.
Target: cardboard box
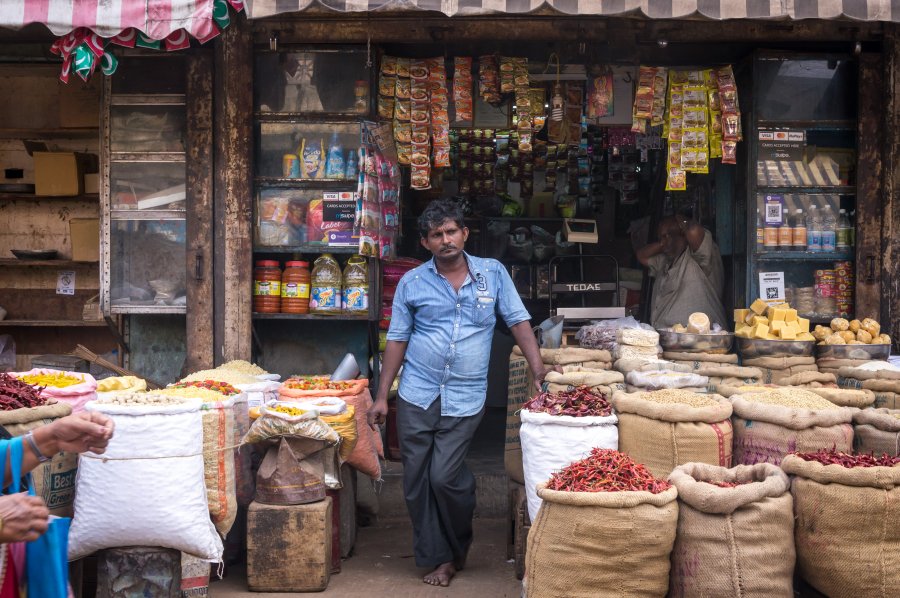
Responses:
[92,183]
[57,173]
[85,235]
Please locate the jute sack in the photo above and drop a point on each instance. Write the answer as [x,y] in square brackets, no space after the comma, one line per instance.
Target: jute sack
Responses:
[520,389]
[879,385]
[54,480]
[601,544]
[218,463]
[707,357]
[733,541]
[877,431]
[846,397]
[601,366]
[607,390]
[660,380]
[780,376]
[648,365]
[697,389]
[831,363]
[886,400]
[728,391]
[777,363]
[832,371]
[570,355]
[861,374]
[810,378]
[663,436]
[715,383]
[705,368]
[847,532]
[584,377]
[765,433]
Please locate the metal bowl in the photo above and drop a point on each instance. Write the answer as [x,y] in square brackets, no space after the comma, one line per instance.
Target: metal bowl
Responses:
[751,347]
[695,343]
[868,352]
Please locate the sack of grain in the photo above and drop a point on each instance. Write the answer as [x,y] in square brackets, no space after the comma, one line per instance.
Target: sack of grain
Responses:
[601,544]
[76,395]
[846,397]
[835,364]
[809,378]
[54,480]
[245,481]
[873,370]
[780,377]
[520,388]
[778,363]
[218,462]
[876,431]
[570,355]
[637,337]
[723,370]
[771,424]
[887,400]
[847,530]
[667,428]
[582,377]
[649,365]
[729,391]
[724,358]
[550,442]
[660,380]
[630,352]
[733,541]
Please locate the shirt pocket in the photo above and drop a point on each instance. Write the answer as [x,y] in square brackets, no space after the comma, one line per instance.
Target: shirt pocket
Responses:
[485,311]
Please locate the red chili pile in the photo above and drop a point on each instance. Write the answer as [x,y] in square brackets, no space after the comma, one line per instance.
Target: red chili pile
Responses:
[850,461]
[15,394]
[606,470]
[578,402]
[219,387]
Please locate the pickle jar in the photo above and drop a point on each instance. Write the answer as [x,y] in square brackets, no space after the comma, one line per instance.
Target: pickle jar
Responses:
[295,288]
[267,287]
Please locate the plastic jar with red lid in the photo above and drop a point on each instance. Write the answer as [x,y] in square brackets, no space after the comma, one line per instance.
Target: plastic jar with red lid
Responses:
[267,287]
[295,288]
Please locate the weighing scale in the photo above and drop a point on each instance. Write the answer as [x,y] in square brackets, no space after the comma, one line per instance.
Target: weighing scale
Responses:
[580,231]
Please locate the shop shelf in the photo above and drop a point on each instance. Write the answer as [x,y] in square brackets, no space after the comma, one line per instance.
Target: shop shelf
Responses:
[52,323]
[259,316]
[158,99]
[784,256]
[61,133]
[14,263]
[147,214]
[304,249]
[266,181]
[807,189]
[33,197]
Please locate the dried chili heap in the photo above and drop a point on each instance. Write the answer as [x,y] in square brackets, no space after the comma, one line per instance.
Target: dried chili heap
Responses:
[850,461]
[15,394]
[220,387]
[578,402]
[606,470]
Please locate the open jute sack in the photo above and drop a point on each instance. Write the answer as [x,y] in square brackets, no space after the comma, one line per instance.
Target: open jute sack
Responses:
[598,380]
[877,431]
[733,541]
[590,358]
[653,365]
[765,433]
[846,397]
[722,358]
[663,436]
[601,544]
[847,531]
[723,370]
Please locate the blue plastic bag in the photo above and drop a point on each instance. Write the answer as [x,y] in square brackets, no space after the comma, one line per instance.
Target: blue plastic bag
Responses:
[46,559]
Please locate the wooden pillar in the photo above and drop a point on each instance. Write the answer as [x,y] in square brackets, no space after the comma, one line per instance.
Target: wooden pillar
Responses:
[890,207]
[234,190]
[199,226]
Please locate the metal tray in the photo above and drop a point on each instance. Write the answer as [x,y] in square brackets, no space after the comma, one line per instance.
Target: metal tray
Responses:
[751,347]
[695,343]
[868,352]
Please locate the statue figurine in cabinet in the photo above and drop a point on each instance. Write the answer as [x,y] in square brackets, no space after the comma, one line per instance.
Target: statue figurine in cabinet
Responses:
[288,83]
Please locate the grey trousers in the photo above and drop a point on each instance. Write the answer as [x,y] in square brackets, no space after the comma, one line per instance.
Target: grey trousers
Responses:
[438,486]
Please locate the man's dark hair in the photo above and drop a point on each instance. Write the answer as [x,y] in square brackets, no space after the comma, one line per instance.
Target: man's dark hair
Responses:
[437,212]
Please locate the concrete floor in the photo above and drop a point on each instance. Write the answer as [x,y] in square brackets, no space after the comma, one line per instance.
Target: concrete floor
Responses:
[382,566]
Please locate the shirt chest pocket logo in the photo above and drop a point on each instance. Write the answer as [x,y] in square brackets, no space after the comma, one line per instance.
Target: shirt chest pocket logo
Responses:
[484,311]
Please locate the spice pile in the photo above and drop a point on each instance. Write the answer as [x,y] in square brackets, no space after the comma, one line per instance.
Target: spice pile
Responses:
[288,410]
[56,379]
[850,461]
[138,399]
[683,397]
[15,394]
[794,397]
[232,377]
[318,383]
[578,402]
[244,367]
[222,388]
[606,470]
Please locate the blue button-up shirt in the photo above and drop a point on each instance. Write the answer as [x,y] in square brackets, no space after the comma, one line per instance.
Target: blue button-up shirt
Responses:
[449,333]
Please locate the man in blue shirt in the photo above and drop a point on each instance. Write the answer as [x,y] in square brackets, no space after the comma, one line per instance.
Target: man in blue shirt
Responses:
[442,325]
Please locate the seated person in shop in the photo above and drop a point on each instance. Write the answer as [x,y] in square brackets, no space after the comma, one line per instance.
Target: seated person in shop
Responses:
[687,273]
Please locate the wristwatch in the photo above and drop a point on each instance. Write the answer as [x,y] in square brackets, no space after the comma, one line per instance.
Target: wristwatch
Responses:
[29,437]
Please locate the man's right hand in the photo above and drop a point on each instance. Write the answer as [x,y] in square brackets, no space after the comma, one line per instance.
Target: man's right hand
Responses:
[24,518]
[378,413]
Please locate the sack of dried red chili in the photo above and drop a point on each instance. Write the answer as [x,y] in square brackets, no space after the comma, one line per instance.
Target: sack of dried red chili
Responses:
[667,428]
[735,532]
[877,431]
[551,441]
[603,544]
[847,530]
[772,423]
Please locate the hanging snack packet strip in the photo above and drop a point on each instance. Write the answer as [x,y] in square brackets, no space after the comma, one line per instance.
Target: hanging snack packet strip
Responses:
[462,88]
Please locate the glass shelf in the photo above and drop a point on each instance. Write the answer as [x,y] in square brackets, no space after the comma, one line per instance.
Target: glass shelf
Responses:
[820,256]
[308,248]
[354,317]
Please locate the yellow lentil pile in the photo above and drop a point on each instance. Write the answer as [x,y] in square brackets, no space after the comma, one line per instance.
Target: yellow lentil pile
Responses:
[222,375]
[139,399]
[204,394]
[684,397]
[56,379]
[288,410]
[794,397]
[243,367]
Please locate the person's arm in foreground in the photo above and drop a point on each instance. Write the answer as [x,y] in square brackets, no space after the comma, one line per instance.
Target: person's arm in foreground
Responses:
[394,352]
[693,232]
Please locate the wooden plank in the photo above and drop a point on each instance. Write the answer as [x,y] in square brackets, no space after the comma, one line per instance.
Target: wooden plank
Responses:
[44,304]
[199,225]
[14,263]
[870,192]
[890,230]
[234,187]
[51,324]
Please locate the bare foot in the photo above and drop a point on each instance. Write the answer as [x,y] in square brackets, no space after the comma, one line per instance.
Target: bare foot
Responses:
[441,576]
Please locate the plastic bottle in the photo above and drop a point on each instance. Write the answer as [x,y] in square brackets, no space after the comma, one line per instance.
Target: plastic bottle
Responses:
[267,287]
[760,231]
[334,167]
[352,170]
[813,230]
[786,232]
[843,231]
[325,294]
[770,237]
[356,286]
[799,233]
[295,288]
[852,220]
[829,230]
